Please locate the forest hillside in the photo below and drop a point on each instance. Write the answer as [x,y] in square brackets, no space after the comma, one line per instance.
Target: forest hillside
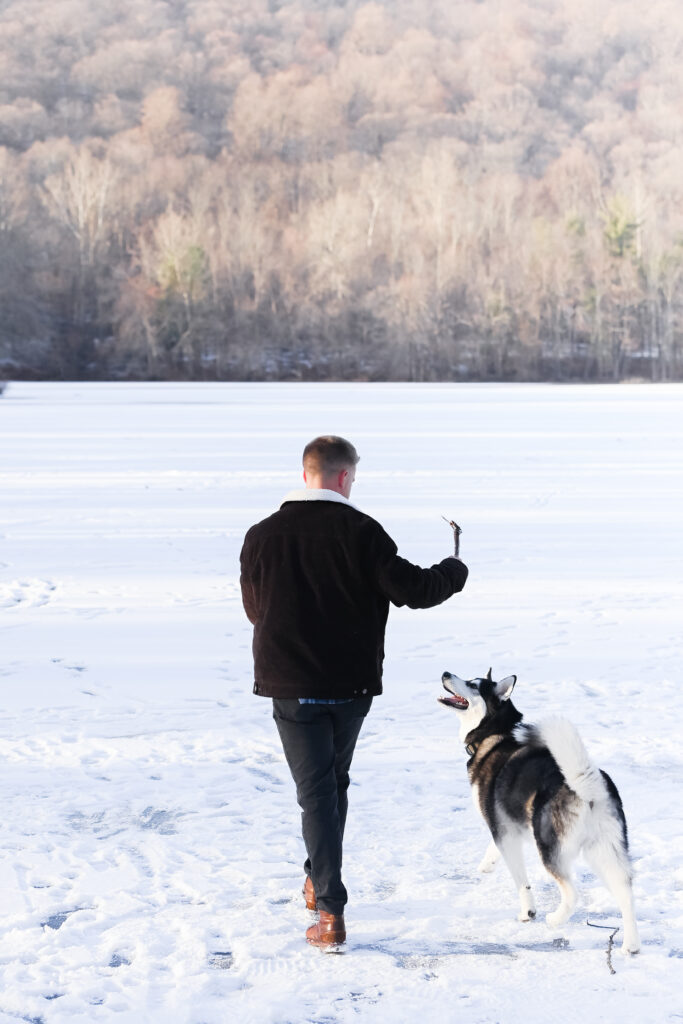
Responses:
[332,189]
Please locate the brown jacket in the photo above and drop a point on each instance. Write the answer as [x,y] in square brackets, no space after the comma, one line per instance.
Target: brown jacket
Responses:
[317,577]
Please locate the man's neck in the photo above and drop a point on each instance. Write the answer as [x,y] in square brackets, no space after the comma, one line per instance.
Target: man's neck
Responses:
[324,485]
[316,494]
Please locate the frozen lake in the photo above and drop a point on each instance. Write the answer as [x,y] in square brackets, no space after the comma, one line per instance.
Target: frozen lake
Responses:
[150,860]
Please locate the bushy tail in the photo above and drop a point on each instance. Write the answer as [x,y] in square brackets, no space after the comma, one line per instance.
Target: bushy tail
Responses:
[566,746]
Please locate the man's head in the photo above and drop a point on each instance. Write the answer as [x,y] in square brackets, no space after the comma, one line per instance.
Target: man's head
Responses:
[330,462]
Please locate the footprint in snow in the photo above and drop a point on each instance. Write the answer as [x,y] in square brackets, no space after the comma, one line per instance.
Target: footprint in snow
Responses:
[55,921]
[118,960]
[221,960]
[30,593]
[158,821]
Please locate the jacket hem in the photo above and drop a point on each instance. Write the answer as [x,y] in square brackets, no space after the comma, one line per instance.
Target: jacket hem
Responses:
[296,693]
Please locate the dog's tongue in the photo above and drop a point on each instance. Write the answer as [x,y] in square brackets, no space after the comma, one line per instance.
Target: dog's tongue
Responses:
[454,702]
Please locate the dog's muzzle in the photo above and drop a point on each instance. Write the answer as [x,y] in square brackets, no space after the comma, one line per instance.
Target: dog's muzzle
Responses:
[456,700]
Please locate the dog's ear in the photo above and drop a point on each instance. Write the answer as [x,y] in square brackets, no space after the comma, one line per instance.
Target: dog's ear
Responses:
[504,688]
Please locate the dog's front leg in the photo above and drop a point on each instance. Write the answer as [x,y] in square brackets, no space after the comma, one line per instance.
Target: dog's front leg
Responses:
[491,858]
[511,848]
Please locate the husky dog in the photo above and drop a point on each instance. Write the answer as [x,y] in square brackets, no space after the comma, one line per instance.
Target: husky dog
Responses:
[540,779]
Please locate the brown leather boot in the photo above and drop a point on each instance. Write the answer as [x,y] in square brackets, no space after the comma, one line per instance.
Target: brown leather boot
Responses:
[309,894]
[329,933]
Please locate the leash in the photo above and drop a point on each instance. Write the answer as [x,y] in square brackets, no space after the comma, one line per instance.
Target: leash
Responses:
[610,941]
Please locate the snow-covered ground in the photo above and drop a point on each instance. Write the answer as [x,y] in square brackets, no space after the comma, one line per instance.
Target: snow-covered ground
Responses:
[150,858]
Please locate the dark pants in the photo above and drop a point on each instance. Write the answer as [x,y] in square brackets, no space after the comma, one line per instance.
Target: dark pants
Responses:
[318,741]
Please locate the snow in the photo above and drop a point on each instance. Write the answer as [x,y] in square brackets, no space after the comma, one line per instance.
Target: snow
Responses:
[150,856]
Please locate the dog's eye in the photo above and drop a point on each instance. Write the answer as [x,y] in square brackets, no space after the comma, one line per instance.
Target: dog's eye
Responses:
[473,686]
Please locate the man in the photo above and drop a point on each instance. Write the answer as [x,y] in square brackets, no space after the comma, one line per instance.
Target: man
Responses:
[317,578]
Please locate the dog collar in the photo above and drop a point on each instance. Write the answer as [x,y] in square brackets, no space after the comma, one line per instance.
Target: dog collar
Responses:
[471,748]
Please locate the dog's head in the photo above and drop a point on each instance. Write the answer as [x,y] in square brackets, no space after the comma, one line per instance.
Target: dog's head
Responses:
[475,700]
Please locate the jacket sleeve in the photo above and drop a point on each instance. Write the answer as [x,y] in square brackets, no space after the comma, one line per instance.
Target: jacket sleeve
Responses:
[247,587]
[407,584]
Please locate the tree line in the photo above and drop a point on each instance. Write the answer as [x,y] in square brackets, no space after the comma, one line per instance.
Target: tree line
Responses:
[331,189]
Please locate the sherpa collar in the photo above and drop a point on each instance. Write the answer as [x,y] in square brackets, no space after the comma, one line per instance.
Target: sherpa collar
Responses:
[316,494]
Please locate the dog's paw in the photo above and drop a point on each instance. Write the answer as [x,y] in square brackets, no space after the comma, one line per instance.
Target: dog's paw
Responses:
[527,910]
[556,919]
[630,948]
[486,866]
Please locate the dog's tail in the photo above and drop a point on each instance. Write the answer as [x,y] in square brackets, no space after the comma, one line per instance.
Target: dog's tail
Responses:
[566,746]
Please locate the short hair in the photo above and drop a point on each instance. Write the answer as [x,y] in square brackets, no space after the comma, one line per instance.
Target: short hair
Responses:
[329,454]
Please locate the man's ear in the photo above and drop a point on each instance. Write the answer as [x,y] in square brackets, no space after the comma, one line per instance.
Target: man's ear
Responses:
[504,688]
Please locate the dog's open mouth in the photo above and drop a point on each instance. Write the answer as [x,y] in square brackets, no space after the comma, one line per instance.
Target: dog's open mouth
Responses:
[454,702]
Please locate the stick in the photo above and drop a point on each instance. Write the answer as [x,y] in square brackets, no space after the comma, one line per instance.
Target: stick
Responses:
[456,534]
